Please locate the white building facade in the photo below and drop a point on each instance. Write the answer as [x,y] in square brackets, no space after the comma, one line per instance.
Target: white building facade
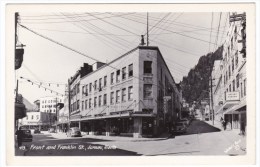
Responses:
[230,88]
[126,96]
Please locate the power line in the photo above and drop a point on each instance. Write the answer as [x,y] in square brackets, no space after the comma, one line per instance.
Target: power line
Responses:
[212,17]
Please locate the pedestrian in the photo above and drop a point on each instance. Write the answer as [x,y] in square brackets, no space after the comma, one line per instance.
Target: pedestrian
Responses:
[19,136]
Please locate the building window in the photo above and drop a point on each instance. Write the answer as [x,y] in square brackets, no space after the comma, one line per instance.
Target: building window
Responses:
[237,78]
[90,87]
[95,101]
[82,107]
[236,57]
[226,76]
[112,98]
[117,96]
[86,91]
[130,70]
[229,71]
[117,75]
[32,116]
[123,94]
[83,89]
[99,101]
[89,103]
[86,104]
[224,79]
[230,88]
[100,84]
[147,67]
[234,86]
[37,116]
[241,88]
[105,81]
[231,43]
[77,88]
[112,78]
[77,104]
[105,99]
[245,87]
[147,91]
[130,93]
[232,64]
[123,73]
[235,33]
[95,85]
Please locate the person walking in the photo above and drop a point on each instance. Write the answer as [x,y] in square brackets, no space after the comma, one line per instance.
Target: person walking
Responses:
[19,136]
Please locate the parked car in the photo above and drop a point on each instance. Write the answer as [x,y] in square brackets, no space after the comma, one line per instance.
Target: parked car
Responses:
[37,131]
[51,130]
[187,121]
[27,136]
[180,127]
[74,132]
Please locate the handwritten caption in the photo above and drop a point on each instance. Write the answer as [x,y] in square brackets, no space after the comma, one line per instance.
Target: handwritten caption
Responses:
[68,147]
[235,146]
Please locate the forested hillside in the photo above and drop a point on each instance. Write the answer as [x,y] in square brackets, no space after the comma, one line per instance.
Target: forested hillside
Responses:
[196,84]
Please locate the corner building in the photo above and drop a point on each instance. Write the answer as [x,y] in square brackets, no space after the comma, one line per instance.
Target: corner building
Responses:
[126,96]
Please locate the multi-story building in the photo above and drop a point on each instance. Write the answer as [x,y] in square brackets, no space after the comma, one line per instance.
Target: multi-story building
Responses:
[134,94]
[48,103]
[230,82]
[37,120]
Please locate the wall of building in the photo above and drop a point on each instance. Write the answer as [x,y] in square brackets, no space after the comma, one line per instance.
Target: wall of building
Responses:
[49,103]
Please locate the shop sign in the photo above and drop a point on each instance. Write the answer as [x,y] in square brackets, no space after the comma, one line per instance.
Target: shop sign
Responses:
[232,96]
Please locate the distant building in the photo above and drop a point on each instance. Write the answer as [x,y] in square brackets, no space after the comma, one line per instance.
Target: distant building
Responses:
[230,86]
[134,94]
[48,103]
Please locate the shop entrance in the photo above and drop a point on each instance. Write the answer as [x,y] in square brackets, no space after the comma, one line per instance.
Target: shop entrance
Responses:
[147,126]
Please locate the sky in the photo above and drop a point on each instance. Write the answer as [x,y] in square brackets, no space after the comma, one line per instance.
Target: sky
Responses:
[181,37]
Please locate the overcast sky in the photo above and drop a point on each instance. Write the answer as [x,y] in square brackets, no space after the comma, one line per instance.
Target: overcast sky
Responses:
[181,37]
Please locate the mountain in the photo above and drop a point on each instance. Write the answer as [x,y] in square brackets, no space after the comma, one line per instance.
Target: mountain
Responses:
[29,106]
[195,86]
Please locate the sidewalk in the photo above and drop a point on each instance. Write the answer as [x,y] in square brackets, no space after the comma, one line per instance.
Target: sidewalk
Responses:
[61,135]
[238,142]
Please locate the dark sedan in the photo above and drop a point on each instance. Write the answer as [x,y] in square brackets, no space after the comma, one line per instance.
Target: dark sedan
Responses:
[27,136]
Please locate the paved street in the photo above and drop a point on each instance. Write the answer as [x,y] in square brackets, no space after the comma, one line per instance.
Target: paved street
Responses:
[201,139]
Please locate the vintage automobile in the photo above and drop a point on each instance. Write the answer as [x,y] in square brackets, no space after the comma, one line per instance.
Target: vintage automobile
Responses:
[180,127]
[51,130]
[36,131]
[74,132]
[27,136]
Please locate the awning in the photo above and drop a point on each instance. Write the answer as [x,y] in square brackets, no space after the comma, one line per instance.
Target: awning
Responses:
[237,108]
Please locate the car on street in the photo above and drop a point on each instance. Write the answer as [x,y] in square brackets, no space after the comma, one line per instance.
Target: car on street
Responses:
[180,127]
[74,132]
[51,130]
[187,121]
[27,136]
[37,131]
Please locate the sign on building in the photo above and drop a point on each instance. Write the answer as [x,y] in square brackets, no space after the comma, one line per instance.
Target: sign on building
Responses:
[232,96]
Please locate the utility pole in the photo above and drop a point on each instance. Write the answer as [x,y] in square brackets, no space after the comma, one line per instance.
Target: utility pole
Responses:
[147,29]
[69,103]
[211,98]
[56,115]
